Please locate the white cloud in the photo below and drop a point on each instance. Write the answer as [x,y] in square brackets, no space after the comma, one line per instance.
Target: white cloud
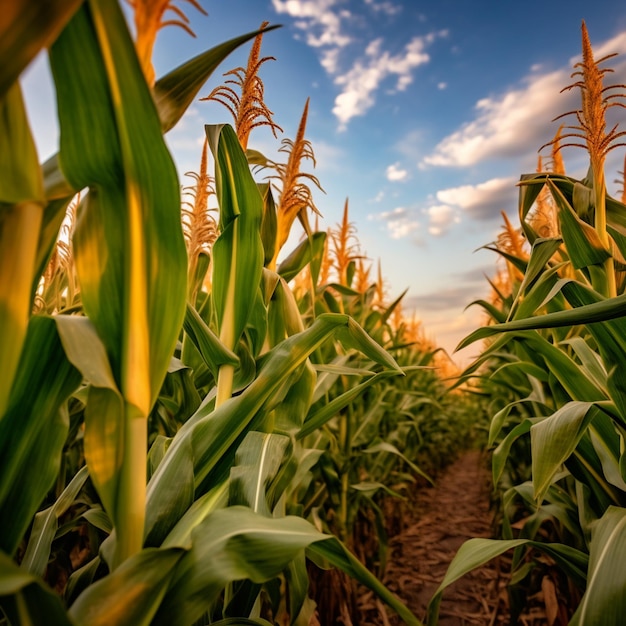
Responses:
[389,8]
[395,173]
[483,201]
[518,121]
[441,86]
[362,81]
[330,60]
[513,123]
[322,25]
[440,218]
[399,222]
[616,45]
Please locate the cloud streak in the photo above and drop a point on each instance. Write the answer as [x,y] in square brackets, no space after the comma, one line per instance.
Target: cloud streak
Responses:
[399,222]
[318,18]
[441,217]
[518,121]
[325,25]
[362,81]
[482,201]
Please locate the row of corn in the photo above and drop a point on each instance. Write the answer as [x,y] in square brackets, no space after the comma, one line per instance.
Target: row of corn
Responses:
[181,430]
[553,368]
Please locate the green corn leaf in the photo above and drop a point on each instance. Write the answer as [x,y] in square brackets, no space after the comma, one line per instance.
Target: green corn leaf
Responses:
[476,552]
[21,211]
[542,251]
[34,429]
[46,524]
[391,308]
[599,311]
[205,446]
[129,240]
[520,263]
[499,419]
[590,360]
[545,292]
[26,28]
[316,419]
[554,439]
[369,425]
[578,384]
[238,251]
[257,462]
[603,603]
[132,594]
[22,180]
[269,223]
[129,249]
[501,453]
[104,410]
[213,352]
[353,336]
[283,315]
[494,312]
[583,243]
[25,599]
[387,448]
[215,499]
[305,252]
[610,337]
[289,415]
[338,555]
[173,94]
[301,607]
[530,187]
[231,544]
[607,445]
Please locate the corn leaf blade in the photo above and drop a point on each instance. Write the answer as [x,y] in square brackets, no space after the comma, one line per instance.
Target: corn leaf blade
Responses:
[603,602]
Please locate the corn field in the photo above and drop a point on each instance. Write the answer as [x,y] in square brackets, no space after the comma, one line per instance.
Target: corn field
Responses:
[198,425]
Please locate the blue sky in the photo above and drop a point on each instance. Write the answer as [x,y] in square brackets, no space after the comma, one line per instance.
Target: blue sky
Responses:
[422,114]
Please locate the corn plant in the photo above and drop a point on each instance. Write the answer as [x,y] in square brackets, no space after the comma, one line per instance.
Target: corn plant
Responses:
[167,416]
[558,351]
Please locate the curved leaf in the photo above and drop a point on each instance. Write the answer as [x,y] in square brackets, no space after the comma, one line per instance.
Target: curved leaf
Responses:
[604,603]
[554,439]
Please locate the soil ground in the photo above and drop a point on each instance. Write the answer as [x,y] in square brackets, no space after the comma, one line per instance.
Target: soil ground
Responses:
[455,509]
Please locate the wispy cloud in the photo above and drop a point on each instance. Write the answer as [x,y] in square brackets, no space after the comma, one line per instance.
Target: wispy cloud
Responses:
[517,121]
[514,123]
[483,201]
[326,25]
[318,18]
[361,82]
[399,222]
[395,173]
[386,7]
[441,217]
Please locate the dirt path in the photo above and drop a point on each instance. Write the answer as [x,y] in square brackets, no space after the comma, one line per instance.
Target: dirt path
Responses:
[455,509]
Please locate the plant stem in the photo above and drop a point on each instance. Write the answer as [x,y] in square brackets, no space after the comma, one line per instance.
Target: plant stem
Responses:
[224,384]
[132,495]
[599,190]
